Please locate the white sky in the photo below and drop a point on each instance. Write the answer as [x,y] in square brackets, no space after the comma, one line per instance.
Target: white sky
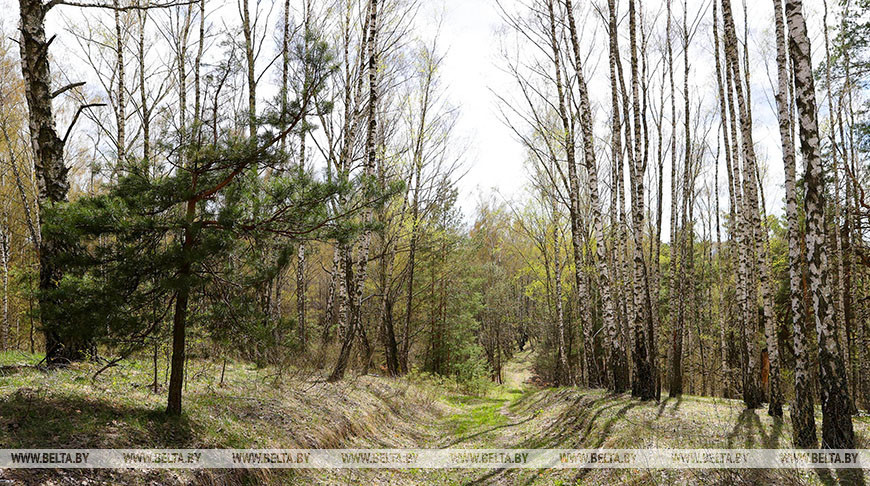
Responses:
[495,157]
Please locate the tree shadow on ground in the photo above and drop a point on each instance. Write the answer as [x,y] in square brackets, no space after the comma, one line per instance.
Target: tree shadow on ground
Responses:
[38,419]
[604,434]
[576,423]
[664,403]
[530,400]
[750,427]
[468,437]
[749,424]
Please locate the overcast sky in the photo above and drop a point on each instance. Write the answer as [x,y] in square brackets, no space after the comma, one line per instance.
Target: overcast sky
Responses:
[471,71]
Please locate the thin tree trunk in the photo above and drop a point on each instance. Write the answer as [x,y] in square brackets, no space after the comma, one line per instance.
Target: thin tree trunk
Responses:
[752,395]
[4,261]
[771,326]
[300,252]
[248,34]
[143,90]
[412,254]
[734,228]
[330,313]
[564,372]
[838,156]
[182,296]
[675,282]
[618,359]
[355,278]
[574,206]
[643,385]
[197,69]
[616,351]
[121,108]
[300,266]
[684,240]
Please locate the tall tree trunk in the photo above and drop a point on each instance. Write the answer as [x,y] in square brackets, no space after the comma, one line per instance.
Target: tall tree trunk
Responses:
[689,175]
[182,295]
[617,359]
[355,279]
[616,351]
[300,252]
[387,251]
[842,320]
[850,217]
[643,385]
[416,177]
[650,296]
[752,395]
[684,287]
[837,430]
[656,253]
[574,205]
[50,170]
[675,282]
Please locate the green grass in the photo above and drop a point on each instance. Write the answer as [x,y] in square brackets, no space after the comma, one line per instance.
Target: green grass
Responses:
[19,358]
[483,413]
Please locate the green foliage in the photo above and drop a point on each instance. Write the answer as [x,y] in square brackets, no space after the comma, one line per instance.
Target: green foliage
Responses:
[216,222]
[123,249]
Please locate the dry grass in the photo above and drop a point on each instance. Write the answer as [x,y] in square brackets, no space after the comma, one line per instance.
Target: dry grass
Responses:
[268,408]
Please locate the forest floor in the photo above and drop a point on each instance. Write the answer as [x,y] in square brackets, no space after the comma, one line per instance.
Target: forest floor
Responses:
[268,408]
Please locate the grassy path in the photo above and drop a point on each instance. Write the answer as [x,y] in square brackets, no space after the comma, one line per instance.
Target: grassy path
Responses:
[518,415]
[490,421]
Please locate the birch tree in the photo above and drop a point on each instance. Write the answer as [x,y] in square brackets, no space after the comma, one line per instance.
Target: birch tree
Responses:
[837,432]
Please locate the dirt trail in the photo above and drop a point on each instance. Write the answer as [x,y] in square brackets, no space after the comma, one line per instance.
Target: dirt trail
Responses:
[517,372]
[492,421]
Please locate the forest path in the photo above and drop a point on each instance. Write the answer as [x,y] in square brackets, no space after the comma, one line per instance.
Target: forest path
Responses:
[517,372]
[71,410]
[491,421]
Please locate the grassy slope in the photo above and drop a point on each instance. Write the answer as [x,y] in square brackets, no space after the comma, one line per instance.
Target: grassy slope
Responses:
[262,409]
